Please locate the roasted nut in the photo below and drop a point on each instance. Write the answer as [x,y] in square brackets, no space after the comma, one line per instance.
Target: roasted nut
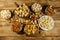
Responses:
[21,20]
[22,10]
[50,10]
[34,22]
[30,29]
[29,18]
[36,7]
[14,18]
[17,27]
[36,16]
[46,22]
[24,21]
[5,14]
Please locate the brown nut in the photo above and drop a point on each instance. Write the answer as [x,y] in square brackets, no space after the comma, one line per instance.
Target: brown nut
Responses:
[17,27]
[30,29]
[14,18]
[50,10]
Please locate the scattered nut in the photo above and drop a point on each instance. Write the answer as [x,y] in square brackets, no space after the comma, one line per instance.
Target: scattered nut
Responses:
[36,16]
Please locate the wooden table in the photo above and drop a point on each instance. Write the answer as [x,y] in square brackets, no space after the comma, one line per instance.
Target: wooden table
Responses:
[6,32]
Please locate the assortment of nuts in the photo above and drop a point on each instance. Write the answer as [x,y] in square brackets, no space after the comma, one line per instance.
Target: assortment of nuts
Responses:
[27,20]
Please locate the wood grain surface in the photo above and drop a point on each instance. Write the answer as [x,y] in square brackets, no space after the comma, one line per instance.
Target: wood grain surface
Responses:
[6,32]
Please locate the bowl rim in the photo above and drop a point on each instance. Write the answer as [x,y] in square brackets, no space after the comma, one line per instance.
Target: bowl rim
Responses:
[46,28]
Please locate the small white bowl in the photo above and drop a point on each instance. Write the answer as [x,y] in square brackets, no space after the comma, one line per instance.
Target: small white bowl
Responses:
[39,26]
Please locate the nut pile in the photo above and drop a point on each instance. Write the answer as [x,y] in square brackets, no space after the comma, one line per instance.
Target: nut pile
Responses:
[50,10]
[46,22]
[22,11]
[17,26]
[30,29]
[25,18]
[5,14]
[36,7]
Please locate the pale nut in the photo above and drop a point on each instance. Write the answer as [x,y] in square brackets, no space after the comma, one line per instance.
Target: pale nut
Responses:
[5,14]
